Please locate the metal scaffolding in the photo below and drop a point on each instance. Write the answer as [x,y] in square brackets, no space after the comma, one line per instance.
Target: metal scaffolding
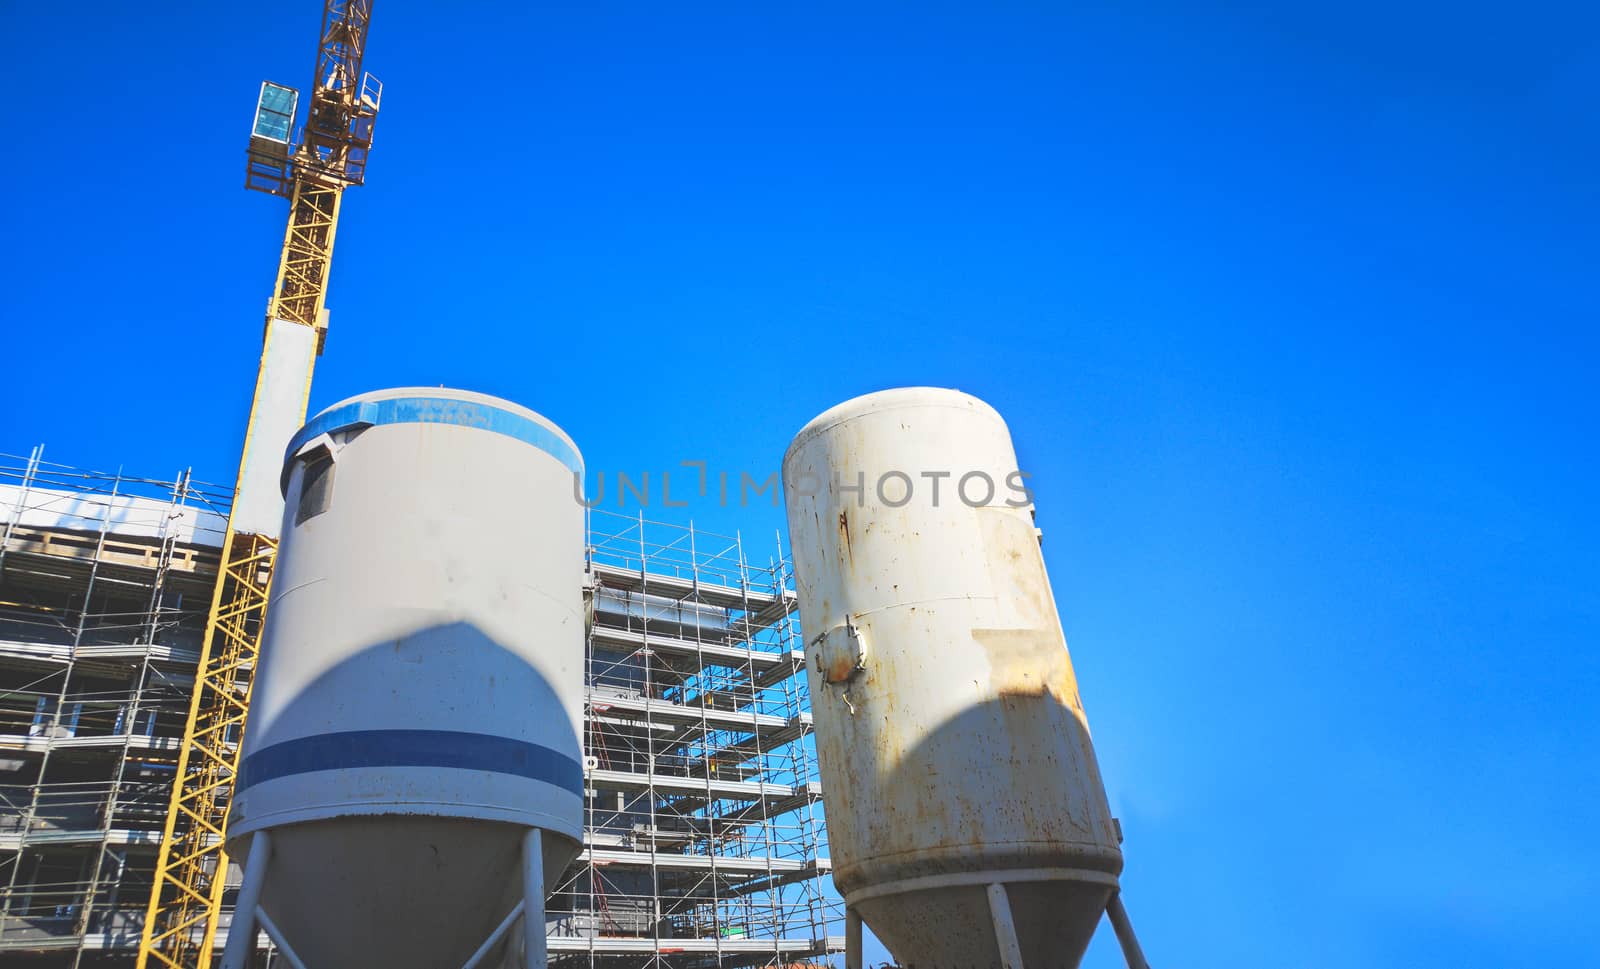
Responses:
[703,830]
[703,838]
[105,583]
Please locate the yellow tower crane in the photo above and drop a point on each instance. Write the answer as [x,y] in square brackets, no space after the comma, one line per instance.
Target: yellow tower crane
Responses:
[312,172]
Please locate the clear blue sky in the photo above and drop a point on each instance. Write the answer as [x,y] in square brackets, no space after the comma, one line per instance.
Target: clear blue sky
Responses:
[1292,314]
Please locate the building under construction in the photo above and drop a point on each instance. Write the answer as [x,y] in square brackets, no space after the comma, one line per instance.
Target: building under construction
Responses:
[704,841]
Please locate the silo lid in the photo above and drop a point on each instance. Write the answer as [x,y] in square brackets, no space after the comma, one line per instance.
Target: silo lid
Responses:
[436,406]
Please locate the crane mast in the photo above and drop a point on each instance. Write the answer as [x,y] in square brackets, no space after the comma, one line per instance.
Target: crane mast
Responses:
[312,172]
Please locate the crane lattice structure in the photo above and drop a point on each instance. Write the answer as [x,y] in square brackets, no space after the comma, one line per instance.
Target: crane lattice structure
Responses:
[312,172]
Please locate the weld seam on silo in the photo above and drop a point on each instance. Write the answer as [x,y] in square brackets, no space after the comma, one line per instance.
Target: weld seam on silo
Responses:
[961,879]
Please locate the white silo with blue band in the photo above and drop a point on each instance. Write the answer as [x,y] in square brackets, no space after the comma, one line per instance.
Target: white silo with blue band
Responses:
[411,772]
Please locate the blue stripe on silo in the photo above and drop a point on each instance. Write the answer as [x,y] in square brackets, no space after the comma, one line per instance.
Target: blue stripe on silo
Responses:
[412,748]
[438,410]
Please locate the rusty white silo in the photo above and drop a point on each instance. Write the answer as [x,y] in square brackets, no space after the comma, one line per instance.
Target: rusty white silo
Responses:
[412,774]
[966,817]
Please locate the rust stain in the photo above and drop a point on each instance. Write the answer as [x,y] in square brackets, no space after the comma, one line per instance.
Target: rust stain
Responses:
[1030,662]
[844,535]
[840,669]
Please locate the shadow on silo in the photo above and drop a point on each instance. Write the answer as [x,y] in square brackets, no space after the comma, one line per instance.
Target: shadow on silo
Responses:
[1011,784]
[378,885]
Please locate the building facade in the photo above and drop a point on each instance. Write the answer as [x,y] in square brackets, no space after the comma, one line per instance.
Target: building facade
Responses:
[704,840]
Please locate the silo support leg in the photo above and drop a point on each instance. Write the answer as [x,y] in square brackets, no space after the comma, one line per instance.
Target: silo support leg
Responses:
[242,932]
[535,956]
[1005,930]
[852,939]
[285,951]
[495,937]
[1120,924]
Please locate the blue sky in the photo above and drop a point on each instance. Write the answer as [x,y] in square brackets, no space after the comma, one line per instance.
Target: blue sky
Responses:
[1292,313]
